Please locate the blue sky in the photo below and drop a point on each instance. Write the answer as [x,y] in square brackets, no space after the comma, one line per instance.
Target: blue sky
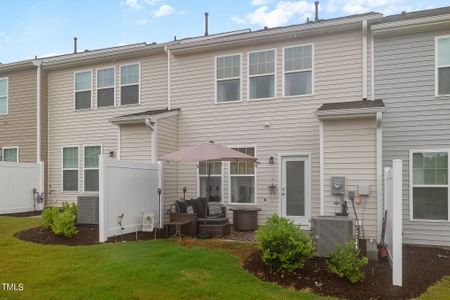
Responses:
[46,27]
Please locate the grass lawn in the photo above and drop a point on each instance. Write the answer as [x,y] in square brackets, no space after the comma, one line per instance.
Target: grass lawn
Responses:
[136,270]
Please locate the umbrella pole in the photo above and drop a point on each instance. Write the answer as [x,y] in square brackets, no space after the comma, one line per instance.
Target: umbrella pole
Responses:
[203,234]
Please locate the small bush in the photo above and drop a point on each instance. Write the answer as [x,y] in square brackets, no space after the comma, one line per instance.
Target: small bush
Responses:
[61,221]
[64,224]
[283,245]
[346,262]
[48,216]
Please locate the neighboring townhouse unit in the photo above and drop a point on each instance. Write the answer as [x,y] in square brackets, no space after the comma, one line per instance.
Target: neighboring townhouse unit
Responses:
[107,101]
[259,92]
[412,76]
[19,109]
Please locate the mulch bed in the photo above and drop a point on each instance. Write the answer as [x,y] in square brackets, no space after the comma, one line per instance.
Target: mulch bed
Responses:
[87,235]
[24,214]
[422,267]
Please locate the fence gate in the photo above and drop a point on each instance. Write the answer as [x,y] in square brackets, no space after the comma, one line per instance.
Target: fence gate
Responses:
[17,181]
[393,205]
[129,189]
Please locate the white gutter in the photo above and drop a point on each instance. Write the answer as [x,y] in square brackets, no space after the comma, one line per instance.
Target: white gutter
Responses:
[364,59]
[348,113]
[38,111]
[410,23]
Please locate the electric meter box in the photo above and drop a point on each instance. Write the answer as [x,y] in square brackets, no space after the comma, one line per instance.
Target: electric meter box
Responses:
[337,185]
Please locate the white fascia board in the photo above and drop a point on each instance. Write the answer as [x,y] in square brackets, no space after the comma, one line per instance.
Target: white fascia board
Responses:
[390,27]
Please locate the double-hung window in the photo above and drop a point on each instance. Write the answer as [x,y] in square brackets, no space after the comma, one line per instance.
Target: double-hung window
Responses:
[105,87]
[129,84]
[91,159]
[430,185]
[298,70]
[3,96]
[215,179]
[262,74]
[70,169]
[242,178]
[83,89]
[228,75]
[10,154]
[443,66]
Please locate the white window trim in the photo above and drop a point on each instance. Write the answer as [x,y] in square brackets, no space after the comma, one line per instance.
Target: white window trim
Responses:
[75,89]
[255,175]
[265,74]
[104,88]
[411,170]
[73,169]
[284,72]
[215,175]
[122,85]
[10,148]
[84,167]
[231,78]
[436,66]
[7,95]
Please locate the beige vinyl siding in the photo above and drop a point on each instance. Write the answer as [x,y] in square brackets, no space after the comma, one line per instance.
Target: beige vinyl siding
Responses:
[68,127]
[350,151]
[293,126]
[168,142]
[18,127]
[135,142]
[414,118]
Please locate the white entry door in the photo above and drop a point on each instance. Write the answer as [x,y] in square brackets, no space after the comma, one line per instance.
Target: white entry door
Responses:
[296,188]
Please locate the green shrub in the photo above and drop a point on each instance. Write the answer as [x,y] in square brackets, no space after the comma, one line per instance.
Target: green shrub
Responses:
[48,216]
[64,224]
[283,245]
[346,262]
[71,207]
[61,221]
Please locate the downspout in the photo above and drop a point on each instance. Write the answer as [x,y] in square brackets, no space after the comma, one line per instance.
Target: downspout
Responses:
[38,111]
[321,168]
[169,55]
[364,59]
[379,160]
[153,136]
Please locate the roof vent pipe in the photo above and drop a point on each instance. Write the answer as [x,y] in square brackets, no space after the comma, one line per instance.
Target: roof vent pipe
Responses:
[75,44]
[206,23]
[317,11]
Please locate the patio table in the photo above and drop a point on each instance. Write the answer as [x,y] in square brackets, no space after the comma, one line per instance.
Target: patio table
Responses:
[178,225]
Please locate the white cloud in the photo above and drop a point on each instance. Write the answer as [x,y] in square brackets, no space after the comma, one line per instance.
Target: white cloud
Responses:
[141,22]
[164,10]
[280,15]
[133,4]
[260,2]
[386,7]
[152,2]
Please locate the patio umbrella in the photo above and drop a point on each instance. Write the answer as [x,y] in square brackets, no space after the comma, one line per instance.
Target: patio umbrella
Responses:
[207,152]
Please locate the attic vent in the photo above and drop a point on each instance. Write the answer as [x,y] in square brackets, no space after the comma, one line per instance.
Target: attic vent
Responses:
[329,231]
[87,212]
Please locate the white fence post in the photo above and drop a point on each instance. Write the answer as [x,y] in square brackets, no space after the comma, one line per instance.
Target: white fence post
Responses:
[397,220]
[101,200]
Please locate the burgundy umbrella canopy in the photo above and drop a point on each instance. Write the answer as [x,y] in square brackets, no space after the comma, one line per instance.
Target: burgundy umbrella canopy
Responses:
[207,152]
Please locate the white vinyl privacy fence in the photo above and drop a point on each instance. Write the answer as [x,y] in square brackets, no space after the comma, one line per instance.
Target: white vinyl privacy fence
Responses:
[17,182]
[393,205]
[129,189]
